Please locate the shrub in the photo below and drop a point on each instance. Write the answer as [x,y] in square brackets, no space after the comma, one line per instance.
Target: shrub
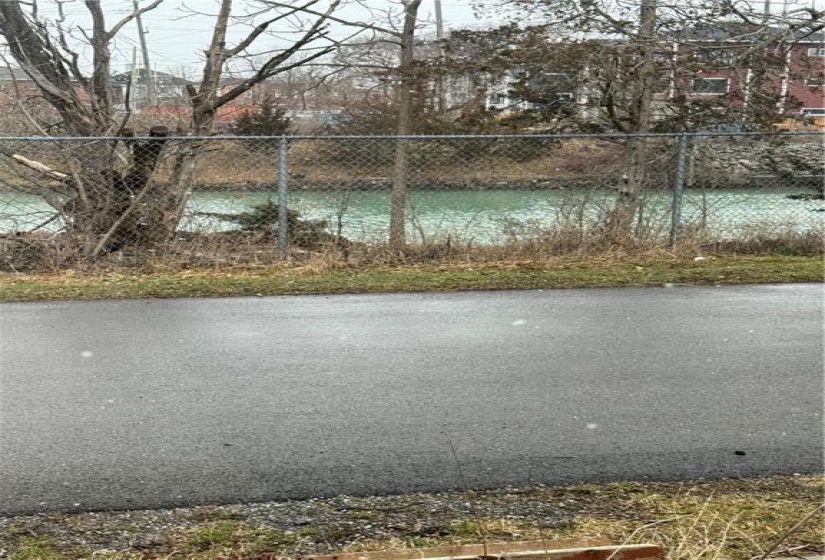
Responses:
[263,218]
[266,120]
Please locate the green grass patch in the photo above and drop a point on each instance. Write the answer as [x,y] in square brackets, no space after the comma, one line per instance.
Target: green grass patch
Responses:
[561,273]
[36,548]
[229,537]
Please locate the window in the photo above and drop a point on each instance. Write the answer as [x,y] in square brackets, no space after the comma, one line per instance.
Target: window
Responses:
[710,86]
[812,112]
[716,56]
[814,82]
[816,51]
[552,83]
[660,85]
[498,99]
[663,58]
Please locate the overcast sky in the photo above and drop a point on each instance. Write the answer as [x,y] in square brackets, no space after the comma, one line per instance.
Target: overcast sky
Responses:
[177,38]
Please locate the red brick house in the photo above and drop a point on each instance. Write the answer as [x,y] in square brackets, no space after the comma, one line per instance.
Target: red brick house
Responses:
[717,61]
[708,68]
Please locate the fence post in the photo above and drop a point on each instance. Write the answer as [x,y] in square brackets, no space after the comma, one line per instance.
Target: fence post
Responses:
[678,188]
[283,191]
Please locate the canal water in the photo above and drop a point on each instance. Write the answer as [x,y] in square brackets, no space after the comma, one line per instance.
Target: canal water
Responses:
[486,217]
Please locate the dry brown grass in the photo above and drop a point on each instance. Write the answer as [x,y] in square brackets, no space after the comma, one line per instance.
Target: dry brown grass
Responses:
[735,519]
[52,253]
[233,163]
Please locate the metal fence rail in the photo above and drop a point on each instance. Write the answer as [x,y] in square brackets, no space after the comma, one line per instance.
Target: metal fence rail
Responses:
[250,199]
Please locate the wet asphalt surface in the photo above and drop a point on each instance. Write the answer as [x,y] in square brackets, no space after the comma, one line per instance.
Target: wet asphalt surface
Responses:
[156,403]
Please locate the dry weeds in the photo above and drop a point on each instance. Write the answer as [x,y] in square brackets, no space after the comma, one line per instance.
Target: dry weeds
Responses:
[738,519]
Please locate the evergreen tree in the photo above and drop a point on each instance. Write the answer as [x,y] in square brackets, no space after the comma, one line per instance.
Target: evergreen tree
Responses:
[266,120]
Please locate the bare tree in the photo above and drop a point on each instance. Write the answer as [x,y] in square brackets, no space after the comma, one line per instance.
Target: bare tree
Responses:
[404,74]
[106,197]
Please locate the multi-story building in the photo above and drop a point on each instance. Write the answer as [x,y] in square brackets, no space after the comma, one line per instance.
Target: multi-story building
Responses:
[727,67]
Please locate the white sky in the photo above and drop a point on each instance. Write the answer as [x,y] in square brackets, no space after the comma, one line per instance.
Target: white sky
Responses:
[176,42]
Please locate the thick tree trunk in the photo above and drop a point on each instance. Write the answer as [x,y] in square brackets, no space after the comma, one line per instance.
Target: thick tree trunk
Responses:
[167,202]
[99,200]
[108,210]
[104,213]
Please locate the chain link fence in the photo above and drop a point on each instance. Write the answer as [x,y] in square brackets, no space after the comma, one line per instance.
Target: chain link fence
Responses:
[243,200]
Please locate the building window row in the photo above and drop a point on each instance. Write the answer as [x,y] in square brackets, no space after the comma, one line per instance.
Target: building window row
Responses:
[710,86]
[699,86]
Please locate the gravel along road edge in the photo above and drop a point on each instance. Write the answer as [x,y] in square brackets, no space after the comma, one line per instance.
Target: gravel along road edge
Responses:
[738,518]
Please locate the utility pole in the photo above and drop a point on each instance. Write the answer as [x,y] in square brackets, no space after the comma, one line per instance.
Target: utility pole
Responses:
[133,76]
[439,21]
[439,35]
[150,76]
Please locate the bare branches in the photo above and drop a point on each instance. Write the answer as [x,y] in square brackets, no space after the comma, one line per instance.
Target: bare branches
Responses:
[58,68]
[273,67]
[30,47]
[259,29]
[72,60]
[101,59]
[119,25]
[335,19]
[207,97]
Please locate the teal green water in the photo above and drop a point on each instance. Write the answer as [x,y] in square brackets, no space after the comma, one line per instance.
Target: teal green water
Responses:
[479,216]
[496,215]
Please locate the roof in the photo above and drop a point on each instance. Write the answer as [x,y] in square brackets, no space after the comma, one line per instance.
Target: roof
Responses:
[161,78]
[742,32]
[7,74]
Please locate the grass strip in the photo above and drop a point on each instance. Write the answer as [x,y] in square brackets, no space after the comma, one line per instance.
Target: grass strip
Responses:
[561,273]
[735,519]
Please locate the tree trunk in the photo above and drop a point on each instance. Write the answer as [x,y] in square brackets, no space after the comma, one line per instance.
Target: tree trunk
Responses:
[631,188]
[99,197]
[404,97]
[106,207]
[168,205]
[167,202]
[104,210]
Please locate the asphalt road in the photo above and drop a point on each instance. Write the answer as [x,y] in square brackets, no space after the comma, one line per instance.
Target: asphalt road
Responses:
[138,404]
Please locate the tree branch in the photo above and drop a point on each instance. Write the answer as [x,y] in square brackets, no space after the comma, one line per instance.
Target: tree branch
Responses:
[265,73]
[259,29]
[101,60]
[274,66]
[44,66]
[73,62]
[119,25]
[336,19]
